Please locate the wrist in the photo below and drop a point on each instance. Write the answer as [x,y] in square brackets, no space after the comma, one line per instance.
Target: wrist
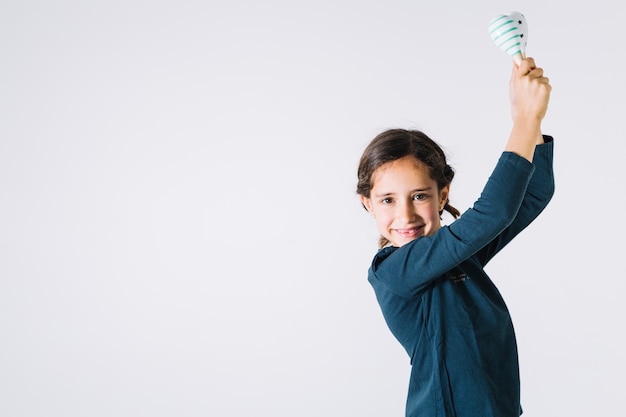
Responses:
[529,121]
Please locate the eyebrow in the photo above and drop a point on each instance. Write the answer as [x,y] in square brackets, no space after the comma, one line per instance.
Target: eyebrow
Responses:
[412,191]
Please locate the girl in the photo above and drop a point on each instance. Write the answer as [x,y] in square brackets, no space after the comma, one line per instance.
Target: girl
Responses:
[429,280]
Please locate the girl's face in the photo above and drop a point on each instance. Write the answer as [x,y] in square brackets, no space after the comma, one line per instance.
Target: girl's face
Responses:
[405,201]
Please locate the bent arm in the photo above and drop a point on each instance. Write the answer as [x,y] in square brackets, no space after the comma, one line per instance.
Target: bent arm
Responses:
[407,270]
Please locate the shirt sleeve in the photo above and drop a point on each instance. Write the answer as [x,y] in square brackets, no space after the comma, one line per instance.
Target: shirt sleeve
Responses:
[407,270]
[538,194]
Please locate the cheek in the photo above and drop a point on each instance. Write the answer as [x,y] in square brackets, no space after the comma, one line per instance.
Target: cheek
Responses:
[432,213]
[382,220]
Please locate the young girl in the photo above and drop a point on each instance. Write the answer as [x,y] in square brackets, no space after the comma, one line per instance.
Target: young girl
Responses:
[429,280]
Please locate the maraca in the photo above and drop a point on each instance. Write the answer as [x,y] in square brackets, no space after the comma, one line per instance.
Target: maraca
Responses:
[510,33]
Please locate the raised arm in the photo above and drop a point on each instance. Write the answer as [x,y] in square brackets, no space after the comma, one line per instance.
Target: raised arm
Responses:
[409,269]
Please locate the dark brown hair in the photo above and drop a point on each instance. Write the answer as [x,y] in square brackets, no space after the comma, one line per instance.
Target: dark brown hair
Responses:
[394,144]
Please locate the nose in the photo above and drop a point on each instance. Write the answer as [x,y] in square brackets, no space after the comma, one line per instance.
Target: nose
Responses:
[406,211]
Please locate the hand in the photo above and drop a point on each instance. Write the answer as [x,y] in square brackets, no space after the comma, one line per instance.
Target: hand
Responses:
[529,91]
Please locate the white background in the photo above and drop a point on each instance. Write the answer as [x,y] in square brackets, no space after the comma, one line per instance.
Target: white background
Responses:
[179,230]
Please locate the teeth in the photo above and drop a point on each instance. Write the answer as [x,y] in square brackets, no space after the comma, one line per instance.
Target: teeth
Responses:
[408,232]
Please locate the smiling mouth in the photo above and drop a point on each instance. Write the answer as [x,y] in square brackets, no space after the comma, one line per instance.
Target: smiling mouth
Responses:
[409,232]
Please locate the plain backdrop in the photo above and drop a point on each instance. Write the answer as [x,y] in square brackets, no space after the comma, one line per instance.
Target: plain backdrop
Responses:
[179,229]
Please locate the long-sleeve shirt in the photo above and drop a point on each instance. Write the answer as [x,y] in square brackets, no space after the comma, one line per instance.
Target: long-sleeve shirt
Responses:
[447,313]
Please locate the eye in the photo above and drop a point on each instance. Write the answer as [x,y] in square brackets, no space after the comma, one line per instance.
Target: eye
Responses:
[387,200]
[420,196]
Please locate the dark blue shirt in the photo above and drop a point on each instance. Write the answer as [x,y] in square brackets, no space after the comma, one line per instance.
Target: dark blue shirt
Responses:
[447,313]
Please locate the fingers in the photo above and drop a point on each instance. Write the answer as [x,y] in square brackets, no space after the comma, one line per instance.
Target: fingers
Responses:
[537,74]
[526,66]
[529,68]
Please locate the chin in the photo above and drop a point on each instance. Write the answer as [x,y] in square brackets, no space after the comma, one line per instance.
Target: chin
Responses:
[404,242]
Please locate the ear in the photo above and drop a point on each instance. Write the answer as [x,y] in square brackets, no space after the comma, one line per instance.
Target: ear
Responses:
[444,193]
[367,203]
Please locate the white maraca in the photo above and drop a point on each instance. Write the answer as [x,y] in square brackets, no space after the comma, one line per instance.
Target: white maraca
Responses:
[510,33]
